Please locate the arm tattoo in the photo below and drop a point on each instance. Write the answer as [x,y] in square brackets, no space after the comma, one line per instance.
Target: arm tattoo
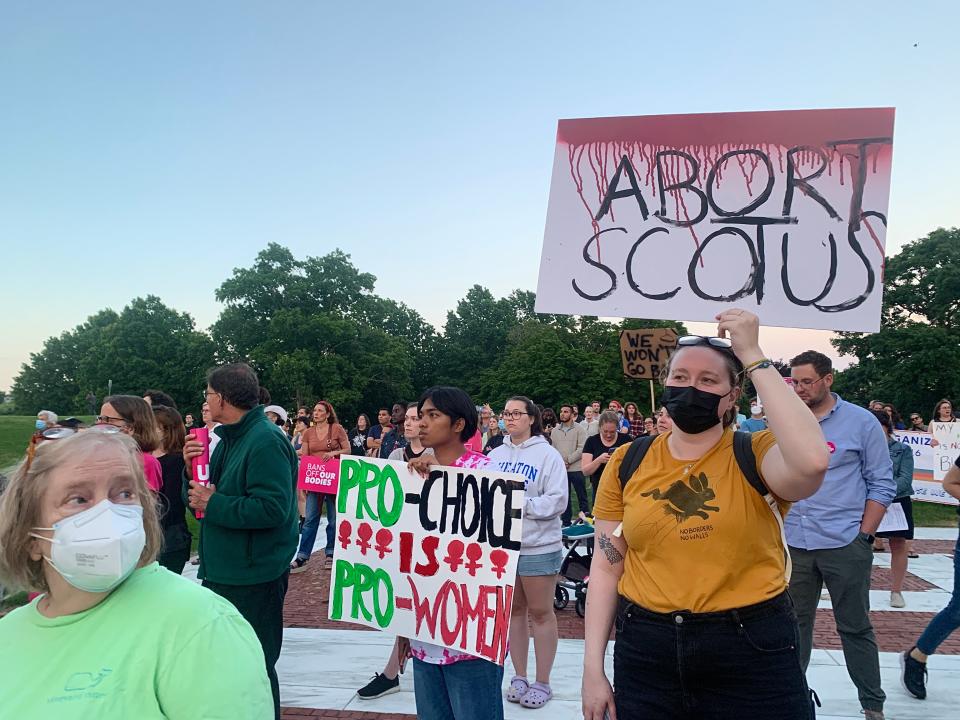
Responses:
[613,555]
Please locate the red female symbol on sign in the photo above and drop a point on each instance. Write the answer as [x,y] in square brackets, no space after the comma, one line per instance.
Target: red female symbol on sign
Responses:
[365,532]
[454,556]
[344,535]
[499,559]
[474,553]
[384,538]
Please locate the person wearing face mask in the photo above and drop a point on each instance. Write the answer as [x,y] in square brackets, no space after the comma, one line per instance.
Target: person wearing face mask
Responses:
[755,422]
[691,562]
[112,635]
[46,420]
[130,415]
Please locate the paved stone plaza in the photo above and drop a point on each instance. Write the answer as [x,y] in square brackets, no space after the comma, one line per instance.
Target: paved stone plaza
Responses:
[323,663]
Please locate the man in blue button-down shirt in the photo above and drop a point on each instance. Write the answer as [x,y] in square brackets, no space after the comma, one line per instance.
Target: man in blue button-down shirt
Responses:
[830,534]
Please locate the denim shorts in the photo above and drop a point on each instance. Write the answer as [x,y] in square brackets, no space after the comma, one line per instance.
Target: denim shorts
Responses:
[544,564]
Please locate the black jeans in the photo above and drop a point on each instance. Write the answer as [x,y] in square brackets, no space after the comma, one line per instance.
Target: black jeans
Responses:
[575,478]
[741,663]
[262,606]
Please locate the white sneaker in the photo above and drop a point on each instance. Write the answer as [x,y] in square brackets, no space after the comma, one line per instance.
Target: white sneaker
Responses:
[896,600]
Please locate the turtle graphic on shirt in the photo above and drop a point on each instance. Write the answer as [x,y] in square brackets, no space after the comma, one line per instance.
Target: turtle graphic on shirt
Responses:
[684,500]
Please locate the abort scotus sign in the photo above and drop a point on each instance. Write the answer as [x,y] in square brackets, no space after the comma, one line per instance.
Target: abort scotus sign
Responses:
[681,216]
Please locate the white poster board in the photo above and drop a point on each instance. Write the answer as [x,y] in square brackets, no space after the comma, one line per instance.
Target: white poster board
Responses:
[946,452]
[682,216]
[925,488]
[433,559]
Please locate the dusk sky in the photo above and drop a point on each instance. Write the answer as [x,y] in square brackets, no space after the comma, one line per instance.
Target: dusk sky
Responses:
[150,148]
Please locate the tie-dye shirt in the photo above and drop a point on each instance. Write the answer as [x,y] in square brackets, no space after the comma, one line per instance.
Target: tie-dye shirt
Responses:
[436,654]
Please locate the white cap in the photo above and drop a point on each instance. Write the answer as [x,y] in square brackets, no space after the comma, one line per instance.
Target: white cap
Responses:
[277,410]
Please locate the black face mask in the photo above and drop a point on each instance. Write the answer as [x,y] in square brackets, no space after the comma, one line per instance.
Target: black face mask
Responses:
[693,411]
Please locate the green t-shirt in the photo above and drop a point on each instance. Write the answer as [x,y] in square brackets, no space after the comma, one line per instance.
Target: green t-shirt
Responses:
[159,646]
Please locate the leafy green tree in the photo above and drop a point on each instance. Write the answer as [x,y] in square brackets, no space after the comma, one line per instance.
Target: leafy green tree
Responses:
[146,345]
[314,329]
[915,358]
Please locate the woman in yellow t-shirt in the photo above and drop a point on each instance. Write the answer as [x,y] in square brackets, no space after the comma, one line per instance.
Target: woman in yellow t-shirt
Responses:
[691,561]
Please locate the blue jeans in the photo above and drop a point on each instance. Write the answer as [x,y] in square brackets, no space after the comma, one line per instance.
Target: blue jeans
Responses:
[465,690]
[948,619]
[740,663]
[308,535]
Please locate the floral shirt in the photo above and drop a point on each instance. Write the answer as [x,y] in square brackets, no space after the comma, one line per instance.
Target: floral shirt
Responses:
[435,654]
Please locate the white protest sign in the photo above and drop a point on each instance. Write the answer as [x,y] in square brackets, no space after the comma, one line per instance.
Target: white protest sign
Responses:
[433,559]
[925,488]
[946,452]
[681,216]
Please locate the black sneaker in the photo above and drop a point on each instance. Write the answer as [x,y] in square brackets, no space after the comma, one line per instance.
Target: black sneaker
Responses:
[914,676]
[378,687]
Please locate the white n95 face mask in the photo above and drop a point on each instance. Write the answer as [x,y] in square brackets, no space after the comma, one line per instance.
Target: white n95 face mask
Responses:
[95,550]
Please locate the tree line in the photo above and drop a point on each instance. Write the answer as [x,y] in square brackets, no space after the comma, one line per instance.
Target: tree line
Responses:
[315,328]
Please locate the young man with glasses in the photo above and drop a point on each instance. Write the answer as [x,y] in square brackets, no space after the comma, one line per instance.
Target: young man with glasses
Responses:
[831,533]
[916,423]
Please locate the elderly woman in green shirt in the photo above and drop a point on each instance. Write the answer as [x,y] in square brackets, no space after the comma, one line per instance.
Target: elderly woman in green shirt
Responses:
[113,635]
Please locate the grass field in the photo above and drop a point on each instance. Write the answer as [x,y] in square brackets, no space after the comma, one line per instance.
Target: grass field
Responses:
[15,432]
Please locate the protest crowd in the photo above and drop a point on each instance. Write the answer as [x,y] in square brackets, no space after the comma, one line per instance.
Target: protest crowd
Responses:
[718,615]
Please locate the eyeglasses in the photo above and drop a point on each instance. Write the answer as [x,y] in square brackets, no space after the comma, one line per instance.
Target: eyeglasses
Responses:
[807,383]
[107,420]
[513,414]
[207,393]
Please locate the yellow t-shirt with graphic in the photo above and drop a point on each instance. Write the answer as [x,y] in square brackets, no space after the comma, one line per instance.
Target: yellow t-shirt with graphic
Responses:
[699,537]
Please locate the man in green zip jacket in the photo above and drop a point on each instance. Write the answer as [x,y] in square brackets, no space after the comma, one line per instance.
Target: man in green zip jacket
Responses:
[249,528]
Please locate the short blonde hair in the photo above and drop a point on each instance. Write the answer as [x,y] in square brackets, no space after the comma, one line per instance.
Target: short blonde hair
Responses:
[20,504]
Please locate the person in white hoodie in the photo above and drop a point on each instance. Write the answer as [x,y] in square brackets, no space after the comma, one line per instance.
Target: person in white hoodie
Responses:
[528,453]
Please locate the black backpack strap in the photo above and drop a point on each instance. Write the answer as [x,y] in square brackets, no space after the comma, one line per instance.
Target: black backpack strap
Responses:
[634,456]
[743,452]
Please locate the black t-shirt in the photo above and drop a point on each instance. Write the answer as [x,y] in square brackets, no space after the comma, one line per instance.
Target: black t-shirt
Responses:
[358,442]
[596,447]
[172,510]
[410,454]
[493,442]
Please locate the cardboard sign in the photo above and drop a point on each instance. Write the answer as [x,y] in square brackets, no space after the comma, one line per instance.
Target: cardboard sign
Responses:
[683,216]
[645,352]
[318,475]
[925,488]
[433,559]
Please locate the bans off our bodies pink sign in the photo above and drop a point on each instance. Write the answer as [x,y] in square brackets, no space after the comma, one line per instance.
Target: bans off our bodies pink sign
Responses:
[319,475]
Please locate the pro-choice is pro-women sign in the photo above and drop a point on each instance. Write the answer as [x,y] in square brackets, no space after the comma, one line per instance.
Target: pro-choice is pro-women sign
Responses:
[428,558]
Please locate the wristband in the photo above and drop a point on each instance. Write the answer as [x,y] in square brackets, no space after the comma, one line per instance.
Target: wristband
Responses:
[758,365]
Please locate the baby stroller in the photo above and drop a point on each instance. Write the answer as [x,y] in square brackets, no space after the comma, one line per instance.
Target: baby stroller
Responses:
[575,568]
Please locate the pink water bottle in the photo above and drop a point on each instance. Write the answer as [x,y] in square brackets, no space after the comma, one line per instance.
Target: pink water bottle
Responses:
[200,465]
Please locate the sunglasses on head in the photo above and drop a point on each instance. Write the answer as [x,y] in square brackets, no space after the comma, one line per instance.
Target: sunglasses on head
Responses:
[717,343]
